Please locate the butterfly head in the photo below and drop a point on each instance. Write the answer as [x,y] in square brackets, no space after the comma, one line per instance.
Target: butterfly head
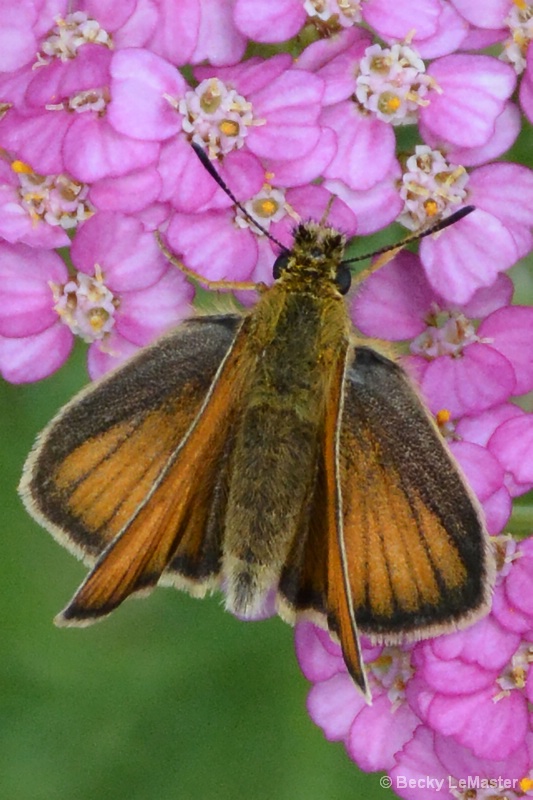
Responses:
[315,258]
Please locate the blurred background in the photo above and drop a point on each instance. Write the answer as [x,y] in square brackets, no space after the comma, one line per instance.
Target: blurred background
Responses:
[170,698]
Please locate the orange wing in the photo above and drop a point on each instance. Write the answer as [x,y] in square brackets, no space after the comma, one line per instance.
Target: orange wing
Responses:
[131,468]
[341,617]
[416,548]
[97,460]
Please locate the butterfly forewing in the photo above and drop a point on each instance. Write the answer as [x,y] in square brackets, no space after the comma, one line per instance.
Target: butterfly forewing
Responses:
[172,517]
[85,486]
[415,543]
[341,616]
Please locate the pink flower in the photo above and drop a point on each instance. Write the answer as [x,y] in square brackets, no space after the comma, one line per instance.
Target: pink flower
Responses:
[471,253]
[33,343]
[64,103]
[432,24]
[512,605]
[470,94]
[261,105]
[187,186]
[335,704]
[365,147]
[511,444]
[489,430]
[505,132]
[39,209]
[133,193]
[219,41]
[194,31]
[20,32]
[431,765]
[464,689]
[269,20]
[278,114]
[122,297]
[375,208]
[446,708]
[512,27]
[526,87]
[490,16]
[393,85]
[486,476]
[49,140]
[460,367]
[175,36]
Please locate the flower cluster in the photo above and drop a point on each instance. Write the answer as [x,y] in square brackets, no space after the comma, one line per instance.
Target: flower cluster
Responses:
[99,104]
[450,708]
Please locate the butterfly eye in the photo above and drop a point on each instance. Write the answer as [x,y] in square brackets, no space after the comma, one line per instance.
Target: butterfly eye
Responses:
[280,264]
[343,279]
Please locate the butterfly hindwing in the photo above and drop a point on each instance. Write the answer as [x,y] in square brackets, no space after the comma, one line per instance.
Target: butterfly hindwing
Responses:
[416,547]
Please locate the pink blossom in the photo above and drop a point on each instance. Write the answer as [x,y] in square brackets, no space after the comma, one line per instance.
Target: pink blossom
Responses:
[285,106]
[365,147]
[448,707]
[188,187]
[335,704]
[393,84]
[269,20]
[490,16]
[471,94]
[506,129]
[263,106]
[130,24]
[39,209]
[122,297]
[512,604]
[66,101]
[471,253]
[459,368]
[511,444]
[483,429]
[219,41]
[26,273]
[33,343]
[175,37]
[278,20]
[526,87]
[472,696]
[131,193]
[374,208]
[512,27]
[449,34]
[486,476]
[19,33]
[431,765]
[336,60]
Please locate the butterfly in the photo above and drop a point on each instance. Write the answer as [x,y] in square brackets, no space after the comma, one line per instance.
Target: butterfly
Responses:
[273,451]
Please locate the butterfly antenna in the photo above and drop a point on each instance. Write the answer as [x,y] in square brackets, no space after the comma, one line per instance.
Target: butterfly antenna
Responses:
[438,226]
[208,165]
